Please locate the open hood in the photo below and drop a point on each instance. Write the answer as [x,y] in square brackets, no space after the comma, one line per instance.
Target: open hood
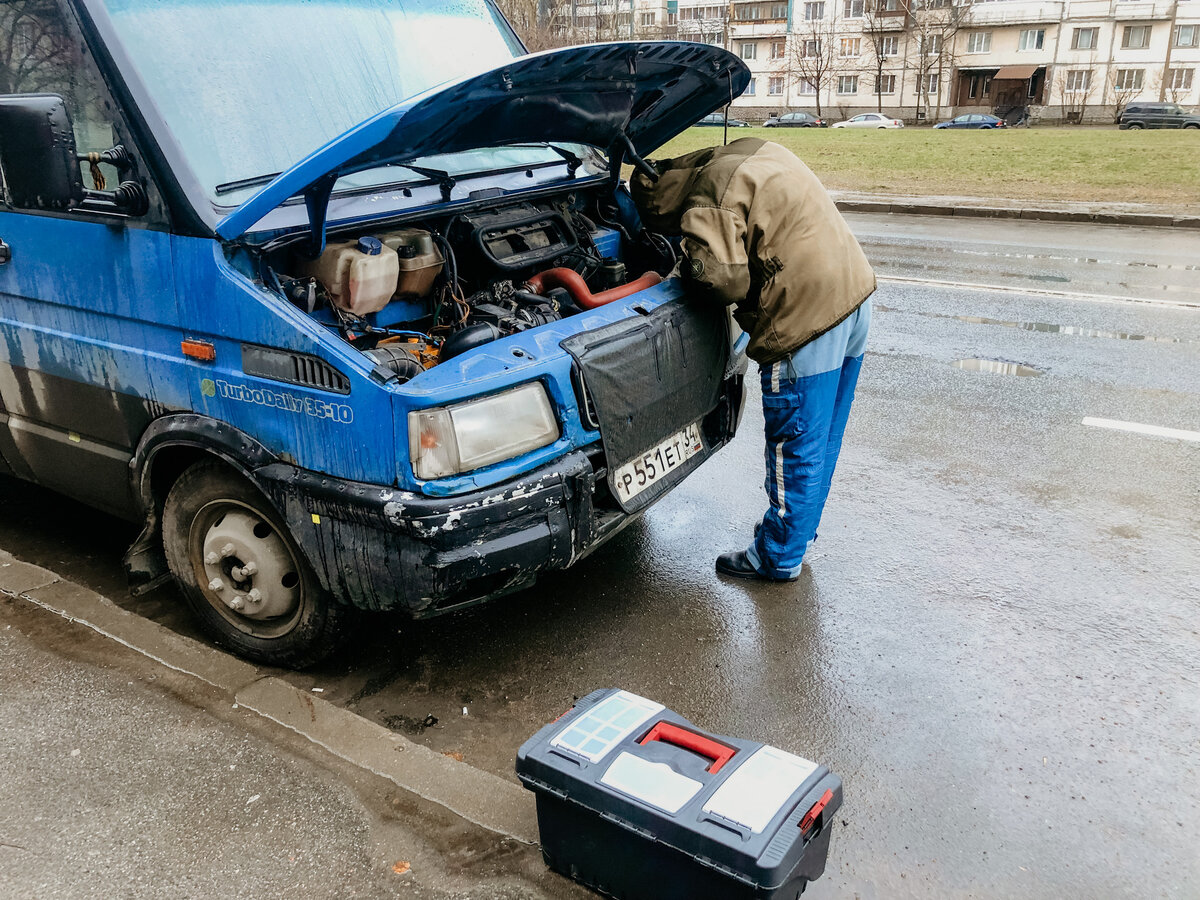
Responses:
[598,94]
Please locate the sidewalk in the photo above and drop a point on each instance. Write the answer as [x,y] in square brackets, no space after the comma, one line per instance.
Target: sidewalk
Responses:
[121,774]
[1097,213]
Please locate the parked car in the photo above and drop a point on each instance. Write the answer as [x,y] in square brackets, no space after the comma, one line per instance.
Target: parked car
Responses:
[795,120]
[870,120]
[332,357]
[1158,115]
[973,120]
[718,119]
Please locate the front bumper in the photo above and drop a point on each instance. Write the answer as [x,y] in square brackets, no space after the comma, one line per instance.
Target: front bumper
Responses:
[378,548]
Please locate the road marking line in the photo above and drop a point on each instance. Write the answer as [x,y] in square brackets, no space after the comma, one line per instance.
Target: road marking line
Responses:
[1042,292]
[1137,428]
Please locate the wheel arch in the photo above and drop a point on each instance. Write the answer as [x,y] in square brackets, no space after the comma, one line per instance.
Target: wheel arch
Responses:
[170,446]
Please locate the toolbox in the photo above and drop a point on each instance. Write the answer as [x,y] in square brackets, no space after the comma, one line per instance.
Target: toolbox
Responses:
[635,801]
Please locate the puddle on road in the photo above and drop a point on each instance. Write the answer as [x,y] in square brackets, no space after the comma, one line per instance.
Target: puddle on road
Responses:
[996,367]
[1043,327]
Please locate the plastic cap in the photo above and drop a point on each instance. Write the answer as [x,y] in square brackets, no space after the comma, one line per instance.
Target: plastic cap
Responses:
[407,251]
[370,246]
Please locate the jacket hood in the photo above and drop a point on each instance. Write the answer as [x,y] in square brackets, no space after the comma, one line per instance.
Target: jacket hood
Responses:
[601,95]
[662,203]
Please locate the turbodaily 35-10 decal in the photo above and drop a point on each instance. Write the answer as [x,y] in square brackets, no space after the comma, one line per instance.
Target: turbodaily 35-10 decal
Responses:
[293,403]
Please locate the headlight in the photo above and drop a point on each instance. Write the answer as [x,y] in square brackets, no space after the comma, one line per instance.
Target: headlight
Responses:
[447,440]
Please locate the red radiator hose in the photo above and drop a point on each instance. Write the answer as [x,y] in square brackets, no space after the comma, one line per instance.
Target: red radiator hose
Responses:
[574,284]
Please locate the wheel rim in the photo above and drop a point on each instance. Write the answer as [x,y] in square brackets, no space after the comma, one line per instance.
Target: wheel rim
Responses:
[246,569]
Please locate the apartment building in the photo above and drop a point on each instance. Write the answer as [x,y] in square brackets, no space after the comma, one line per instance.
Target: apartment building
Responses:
[926,60]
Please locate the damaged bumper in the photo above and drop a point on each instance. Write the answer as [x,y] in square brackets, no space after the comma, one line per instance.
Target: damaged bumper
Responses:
[381,549]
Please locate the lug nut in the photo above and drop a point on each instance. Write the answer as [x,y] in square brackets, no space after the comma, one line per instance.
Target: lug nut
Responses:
[216,585]
[238,603]
[212,559]
[255,595]
[227,550]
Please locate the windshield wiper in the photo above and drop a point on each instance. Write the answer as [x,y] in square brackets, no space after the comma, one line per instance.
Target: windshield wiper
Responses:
[241,184]
[573,161]
[444,180]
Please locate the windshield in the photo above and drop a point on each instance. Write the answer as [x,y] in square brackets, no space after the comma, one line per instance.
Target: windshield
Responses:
[248,88]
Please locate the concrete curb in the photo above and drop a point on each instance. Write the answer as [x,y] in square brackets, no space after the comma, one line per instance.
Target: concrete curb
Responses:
[477,796]
[921,208]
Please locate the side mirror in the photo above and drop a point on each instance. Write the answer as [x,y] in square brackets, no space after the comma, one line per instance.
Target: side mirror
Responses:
[37,153]
[40,165]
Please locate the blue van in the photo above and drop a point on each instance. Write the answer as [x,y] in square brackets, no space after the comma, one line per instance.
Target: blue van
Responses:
[345,300]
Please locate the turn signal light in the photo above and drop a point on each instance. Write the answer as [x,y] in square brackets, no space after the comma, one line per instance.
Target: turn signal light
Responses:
[201,350]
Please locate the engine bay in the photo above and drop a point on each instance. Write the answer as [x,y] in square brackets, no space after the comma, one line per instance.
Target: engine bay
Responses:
[413,296]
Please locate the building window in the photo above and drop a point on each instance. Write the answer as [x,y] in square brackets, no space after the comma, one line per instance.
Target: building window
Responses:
[1085,38]
[847,84]
[1129,79]
[752,88]
[775,86]
[1187,35]
[814,11]
[748,12]
[931,44]
[778,48]
[886,84]
[852,9]
[779,10]
[672,18]
[889,5]
[889,45]
[850,47]
[1032,39]
[807,88]
[810,49]
[979,42]
[749,50]
[1135,37]
[1079,80]
[648,19]
[1179,79]
[931,83]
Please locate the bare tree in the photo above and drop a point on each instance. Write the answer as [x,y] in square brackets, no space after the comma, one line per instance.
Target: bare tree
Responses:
[34,50]
[881,39]
[1120,92]
[1175,88]
[813,57]
[1073,87]
[932,45]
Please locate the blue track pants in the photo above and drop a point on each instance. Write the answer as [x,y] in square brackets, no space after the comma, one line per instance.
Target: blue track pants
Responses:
[806,403]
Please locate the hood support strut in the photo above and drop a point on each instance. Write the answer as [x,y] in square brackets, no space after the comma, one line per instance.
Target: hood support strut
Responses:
[316,201]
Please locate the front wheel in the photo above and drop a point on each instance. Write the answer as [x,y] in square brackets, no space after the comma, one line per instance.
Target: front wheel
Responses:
[1135,126]
[242,575]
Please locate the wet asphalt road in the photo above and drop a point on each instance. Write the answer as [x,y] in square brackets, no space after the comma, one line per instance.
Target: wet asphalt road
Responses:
[995,640]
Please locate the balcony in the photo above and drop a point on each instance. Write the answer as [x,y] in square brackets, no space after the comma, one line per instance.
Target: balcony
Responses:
[1014,12]
[1133,10]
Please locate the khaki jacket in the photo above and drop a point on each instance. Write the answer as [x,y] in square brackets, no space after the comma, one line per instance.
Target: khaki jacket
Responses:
[759,231]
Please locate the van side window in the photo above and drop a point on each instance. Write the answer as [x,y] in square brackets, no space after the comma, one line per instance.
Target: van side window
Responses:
[46,54]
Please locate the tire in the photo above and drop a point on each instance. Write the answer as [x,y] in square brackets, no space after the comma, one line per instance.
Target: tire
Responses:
[216,525]
[1186,127]
[1135,126]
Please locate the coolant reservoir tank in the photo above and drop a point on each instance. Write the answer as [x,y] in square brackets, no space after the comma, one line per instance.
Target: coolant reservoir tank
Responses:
[420,260]
[360,276]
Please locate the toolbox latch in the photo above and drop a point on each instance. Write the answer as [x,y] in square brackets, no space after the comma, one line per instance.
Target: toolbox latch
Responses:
[811,817]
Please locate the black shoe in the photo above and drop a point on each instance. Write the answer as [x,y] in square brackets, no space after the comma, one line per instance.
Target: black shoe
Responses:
[737,565]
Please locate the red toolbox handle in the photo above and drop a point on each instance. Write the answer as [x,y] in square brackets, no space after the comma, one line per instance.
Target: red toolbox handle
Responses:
[689,740]
[817,808]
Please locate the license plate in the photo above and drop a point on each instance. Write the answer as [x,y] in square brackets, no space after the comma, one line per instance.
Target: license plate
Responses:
[660,460]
